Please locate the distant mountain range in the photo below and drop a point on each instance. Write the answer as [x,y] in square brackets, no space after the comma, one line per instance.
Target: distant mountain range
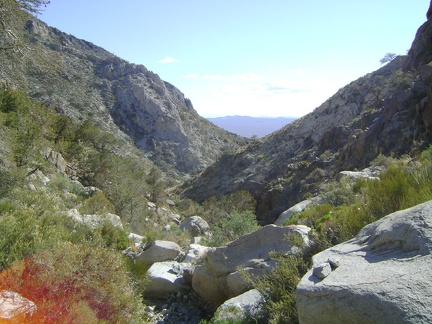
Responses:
[250,126]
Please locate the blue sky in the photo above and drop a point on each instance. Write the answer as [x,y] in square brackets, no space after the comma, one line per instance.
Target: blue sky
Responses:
[251,58]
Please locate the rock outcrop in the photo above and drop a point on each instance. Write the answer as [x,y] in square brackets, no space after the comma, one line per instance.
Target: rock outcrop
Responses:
[219,279]
[382,274]
[94,221]
[368,174]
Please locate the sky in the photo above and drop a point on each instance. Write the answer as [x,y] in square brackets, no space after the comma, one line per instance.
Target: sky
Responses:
[275,58]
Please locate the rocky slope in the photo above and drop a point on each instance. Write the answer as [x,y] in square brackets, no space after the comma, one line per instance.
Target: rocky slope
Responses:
[386,112]
[133,103]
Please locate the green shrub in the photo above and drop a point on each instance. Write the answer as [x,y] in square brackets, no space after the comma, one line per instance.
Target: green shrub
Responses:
[97,204]
[113,237]
[60,183]
[343,192]
[278,289]
[400,187]
[232,227]
[29,222]
[217,208]
[309,216]
[74,283]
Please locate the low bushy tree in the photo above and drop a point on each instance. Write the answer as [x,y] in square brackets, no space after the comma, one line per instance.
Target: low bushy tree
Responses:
[232,227]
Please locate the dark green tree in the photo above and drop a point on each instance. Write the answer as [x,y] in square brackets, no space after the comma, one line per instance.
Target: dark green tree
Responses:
[388,58]
[155,184]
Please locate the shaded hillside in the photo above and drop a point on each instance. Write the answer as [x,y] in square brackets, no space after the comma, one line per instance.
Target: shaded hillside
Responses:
[84,81]
[251,126]
[386,112]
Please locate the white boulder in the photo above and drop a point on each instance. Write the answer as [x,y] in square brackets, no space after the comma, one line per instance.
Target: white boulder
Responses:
[196,253]
[159,251]
[296,208]
[165,278]
[380,276]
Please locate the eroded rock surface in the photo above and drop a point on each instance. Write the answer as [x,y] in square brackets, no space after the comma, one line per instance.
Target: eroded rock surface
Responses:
[382,277]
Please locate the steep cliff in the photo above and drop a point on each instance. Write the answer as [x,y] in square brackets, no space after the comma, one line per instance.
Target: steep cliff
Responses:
[85,81]
[386,112]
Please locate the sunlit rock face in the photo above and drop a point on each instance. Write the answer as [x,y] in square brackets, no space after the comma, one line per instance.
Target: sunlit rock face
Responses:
[380,276]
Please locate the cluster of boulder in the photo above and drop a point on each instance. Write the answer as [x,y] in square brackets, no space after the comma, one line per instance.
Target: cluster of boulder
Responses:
[215,274]
[379,276]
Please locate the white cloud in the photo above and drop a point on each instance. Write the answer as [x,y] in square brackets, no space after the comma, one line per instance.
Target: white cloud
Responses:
[251,94]
[167,60]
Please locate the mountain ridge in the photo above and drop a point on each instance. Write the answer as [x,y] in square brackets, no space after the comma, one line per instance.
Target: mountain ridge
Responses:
[346,132]
[85,81]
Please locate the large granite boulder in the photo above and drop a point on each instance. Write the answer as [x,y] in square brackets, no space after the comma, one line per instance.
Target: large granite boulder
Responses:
[159,251]
[219,279]
[165,279]
[382,275]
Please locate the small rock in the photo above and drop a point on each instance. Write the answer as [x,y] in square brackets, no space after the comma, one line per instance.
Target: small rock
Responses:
[31,186]
[151,205]
[170,202]
[334,263]
[135,238]
[13,305]
[322,270]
